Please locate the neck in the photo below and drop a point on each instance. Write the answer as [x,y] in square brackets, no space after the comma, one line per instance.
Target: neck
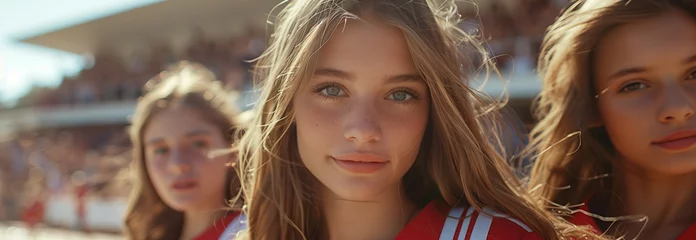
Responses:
[667,201]
[196,222]
[382,218]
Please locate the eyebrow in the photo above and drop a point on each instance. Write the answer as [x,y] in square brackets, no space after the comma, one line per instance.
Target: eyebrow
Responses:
[194,133]
[335,73]
[634,70]
[627,71]
[690,60]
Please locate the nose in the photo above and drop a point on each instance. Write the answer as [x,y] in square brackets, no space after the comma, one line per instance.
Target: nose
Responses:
[678,106]
[178,163]
[362,123]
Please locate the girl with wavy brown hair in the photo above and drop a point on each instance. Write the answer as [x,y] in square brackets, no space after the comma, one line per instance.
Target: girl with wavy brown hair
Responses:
[183,186]
[616,140]
[366,129]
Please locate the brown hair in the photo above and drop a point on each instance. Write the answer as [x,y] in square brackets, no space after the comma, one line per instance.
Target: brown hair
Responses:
[573,155]
[185,84]
[456,164]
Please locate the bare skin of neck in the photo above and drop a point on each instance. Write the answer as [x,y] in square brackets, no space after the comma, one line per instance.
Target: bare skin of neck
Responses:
[667,201]
[380,219]
[196,222]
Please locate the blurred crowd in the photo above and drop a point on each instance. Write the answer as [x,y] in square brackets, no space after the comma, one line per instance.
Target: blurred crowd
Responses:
[110,78]
[61,160]
[57,160]
[513,32]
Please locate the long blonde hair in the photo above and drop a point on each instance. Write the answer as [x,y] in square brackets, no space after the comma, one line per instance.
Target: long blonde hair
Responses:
[573,154]
[456,164]
[185,84]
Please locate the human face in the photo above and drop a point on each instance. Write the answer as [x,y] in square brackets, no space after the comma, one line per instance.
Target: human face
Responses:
[177,142]
[645,73]
[361,117]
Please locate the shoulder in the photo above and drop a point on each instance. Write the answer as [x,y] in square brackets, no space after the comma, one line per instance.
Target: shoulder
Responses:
[440,222]
[469,224]
[238,223]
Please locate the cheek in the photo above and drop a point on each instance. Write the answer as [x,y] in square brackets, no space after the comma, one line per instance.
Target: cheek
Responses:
[405,129]
[158,175]
[625,121]
[213,173]
[316,126]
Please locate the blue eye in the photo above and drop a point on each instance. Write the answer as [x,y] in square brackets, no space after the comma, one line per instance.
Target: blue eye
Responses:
[332,91]
[400,96]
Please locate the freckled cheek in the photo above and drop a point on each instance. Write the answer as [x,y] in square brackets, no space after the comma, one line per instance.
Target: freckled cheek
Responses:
[317,119]
[407,123]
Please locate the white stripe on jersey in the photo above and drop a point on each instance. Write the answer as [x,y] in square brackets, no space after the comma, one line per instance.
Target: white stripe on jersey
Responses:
[481,227]
[465,224]
[238,224]
[482,224]
[450,227]
[500,215]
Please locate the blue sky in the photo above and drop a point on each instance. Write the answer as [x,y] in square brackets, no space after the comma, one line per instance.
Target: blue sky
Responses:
[24,65]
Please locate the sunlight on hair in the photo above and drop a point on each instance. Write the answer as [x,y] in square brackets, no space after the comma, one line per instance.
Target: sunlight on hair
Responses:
[577,133]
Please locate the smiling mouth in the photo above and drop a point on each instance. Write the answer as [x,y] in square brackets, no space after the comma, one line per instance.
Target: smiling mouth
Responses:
[184,185]
[361,158]
[360,167]
[677,141]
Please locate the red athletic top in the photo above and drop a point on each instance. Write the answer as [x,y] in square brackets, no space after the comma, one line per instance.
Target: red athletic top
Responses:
[581,218]
[34,213]
[215,231]
[464,224]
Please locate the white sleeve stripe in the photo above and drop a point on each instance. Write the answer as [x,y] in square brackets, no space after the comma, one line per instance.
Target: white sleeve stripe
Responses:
[520,224]
[466,223]
[481,227]
[515,220]
[238,224]
[450,227]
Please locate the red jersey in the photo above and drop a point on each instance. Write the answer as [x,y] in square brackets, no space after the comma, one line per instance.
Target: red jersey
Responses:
[581,218]
[34,213]
[81,195]
[464,224]
[222,229]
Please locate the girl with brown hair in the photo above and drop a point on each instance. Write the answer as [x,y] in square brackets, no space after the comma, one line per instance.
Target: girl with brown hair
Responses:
[366,129]
[617,132]
[183,188]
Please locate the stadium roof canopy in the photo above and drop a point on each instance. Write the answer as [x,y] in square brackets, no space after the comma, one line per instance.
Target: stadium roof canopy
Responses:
[173,22]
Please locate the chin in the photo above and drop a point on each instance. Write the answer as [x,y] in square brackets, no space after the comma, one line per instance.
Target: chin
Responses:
[185,205]
[359,191]
[670,166]
[358,196]
[678,167]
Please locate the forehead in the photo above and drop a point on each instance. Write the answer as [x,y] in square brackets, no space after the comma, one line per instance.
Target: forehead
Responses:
[667,38]
[367,44]
[176,122]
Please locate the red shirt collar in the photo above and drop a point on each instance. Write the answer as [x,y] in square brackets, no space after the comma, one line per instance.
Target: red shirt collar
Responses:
[214,231]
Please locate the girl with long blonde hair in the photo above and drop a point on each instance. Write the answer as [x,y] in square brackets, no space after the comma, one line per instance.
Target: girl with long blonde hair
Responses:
[183,187]
[616,140]
[366,129]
